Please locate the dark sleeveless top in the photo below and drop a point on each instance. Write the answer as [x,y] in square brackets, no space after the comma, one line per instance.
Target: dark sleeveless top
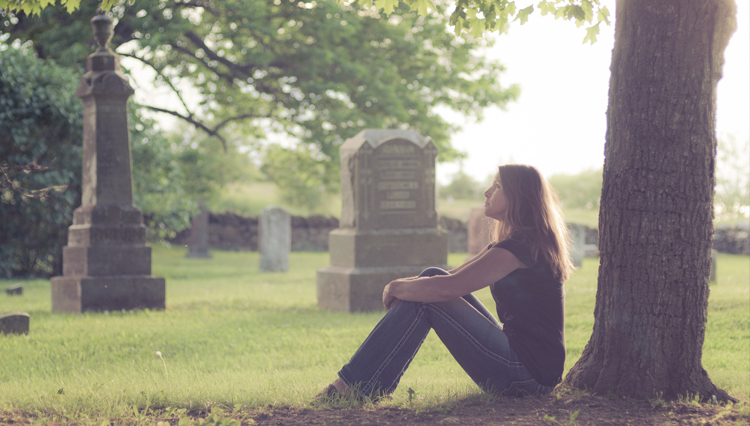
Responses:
[530,304]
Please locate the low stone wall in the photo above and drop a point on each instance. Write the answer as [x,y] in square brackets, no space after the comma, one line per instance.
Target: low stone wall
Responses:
[458,234]
[233,232]
[733,240]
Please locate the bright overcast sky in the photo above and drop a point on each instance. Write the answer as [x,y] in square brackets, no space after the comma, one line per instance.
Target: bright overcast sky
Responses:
[558,124]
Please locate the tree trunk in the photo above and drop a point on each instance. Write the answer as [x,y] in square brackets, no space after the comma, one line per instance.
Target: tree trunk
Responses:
[656,214]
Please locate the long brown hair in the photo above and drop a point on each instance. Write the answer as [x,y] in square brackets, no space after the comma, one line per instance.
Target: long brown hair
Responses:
[534,216]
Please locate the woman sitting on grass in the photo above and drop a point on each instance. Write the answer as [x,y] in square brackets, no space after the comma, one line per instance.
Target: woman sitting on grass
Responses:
[525,267]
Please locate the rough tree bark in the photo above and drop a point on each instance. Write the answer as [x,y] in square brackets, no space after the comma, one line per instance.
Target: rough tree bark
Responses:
[655,219]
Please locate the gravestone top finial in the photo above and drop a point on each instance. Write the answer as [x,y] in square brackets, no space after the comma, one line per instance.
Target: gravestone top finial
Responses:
[102,25]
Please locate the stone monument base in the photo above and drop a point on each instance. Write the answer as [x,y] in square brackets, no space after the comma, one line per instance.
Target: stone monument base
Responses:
[76,294]
[393,247]
[359,289]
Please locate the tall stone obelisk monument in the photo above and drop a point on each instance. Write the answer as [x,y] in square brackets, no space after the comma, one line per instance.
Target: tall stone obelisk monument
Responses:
[106,264]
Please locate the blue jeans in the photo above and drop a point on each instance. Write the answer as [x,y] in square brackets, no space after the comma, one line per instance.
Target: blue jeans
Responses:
[469,331]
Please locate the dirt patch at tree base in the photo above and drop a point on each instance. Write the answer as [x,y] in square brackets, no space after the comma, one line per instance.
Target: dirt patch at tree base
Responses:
[549,410]
[575,409]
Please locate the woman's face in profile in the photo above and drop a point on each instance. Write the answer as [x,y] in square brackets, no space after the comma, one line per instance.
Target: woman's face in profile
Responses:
[496,203]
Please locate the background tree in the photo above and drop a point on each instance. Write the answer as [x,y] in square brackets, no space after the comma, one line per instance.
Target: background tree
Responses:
[303,177]
[462,187]
[732,201]
[40,165]
[316,72]
[174,171]
[40,126]
[655,221]
[579,191]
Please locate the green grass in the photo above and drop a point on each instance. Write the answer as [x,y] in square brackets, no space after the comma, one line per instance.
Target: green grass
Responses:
[232,336]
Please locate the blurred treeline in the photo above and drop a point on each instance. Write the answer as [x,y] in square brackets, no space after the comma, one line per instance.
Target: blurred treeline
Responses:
[580,192]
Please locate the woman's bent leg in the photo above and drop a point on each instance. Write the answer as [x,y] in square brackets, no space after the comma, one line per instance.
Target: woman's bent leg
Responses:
[377,366]
[479,345]
[469,331]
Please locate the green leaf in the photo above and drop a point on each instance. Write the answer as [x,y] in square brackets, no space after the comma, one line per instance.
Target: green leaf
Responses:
[109,4]
[591,33]
[477,27]
[511,8]
[602,15]
[71,5]
[547,7]
[523,14]
[587,10]
[458,26]
[388,6]
[422,6]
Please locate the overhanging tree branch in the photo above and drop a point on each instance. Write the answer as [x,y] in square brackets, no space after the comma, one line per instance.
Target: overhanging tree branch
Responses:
[159,71]
[210,131]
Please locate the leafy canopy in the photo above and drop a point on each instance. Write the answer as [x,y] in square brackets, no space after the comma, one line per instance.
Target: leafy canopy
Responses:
[473,16]
[315,72]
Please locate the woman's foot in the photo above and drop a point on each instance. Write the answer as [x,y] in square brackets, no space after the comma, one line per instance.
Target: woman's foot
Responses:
[337,389]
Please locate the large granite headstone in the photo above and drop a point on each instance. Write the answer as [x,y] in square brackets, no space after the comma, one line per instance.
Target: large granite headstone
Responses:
[14,323]
[198,243]
[479,230]
[274,239]
[388,226]
[106,264]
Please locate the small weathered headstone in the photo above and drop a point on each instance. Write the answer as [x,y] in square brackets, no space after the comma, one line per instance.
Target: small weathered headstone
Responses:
[198,243]
[14,290]
[714,266]
[14,323]
[388,227]
[479,230]
[274,239]
[577,243]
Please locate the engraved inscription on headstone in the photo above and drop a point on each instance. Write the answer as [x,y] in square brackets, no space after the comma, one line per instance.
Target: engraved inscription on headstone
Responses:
[388,226]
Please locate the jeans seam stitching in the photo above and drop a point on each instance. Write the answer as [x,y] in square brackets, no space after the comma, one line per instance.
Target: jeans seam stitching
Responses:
[368,387]
[474,341]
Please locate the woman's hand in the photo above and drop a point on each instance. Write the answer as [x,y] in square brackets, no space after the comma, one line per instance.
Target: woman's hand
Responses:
[389,298]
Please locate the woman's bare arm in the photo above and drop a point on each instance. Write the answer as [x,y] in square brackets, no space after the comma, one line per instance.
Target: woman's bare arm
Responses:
[469,261]
[489,267]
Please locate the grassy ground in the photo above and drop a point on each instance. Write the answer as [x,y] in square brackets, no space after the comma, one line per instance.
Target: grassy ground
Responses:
[233,337]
